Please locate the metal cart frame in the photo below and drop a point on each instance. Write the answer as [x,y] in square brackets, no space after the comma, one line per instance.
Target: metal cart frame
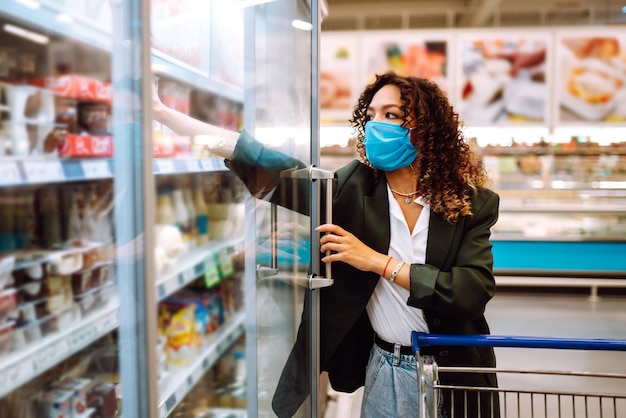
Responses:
[523,402]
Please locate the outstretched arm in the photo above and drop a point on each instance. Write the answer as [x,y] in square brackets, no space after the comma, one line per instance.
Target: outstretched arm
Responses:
[218,140]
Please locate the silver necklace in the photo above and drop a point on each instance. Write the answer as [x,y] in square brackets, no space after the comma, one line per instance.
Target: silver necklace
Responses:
[407,196]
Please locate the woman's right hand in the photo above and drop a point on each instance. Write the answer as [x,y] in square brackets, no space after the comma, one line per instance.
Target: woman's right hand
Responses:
[158,108]
[216,139]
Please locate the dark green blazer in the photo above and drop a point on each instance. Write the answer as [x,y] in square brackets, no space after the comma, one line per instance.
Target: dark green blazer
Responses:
[452,287]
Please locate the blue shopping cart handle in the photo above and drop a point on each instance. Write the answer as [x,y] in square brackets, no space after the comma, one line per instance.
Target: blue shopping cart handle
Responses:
[422,339]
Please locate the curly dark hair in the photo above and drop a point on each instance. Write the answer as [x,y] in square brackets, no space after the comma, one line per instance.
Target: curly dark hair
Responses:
[446,165]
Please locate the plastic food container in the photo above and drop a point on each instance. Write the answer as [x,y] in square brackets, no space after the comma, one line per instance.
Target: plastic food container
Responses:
[7,334]
[6,266]
[8,301]
[65,263]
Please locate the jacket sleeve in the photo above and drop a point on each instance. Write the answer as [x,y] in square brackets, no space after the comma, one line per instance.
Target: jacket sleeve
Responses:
[258,166]
[464,283]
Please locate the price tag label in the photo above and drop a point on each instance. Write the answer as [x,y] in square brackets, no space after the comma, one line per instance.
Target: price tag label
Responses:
[219,165]
[211,275]
[222,347]
[82,337]
[189,275]
[161,291]
[96,169]
[192,165]
[212,358]
[11,377]
[208,164]
[170,403]
[49,355]
[226,263]
[108,323]
[43,171]
[165,166]
[9,173]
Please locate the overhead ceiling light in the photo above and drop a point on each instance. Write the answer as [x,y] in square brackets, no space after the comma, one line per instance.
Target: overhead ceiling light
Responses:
[26,34]
[301,24]
[32,4]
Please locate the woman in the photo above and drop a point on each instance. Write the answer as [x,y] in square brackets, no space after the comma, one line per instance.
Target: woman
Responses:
[409,245]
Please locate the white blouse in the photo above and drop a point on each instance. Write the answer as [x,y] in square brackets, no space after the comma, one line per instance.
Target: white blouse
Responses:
[390,316]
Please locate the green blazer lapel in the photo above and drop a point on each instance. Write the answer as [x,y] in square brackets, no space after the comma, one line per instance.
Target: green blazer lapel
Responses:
[377,231]
[440,236]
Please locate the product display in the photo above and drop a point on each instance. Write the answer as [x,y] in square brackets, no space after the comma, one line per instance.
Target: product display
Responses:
[64,244]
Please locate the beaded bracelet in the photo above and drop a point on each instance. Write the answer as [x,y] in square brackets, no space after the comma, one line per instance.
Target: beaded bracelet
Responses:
[387,265]
[396,271]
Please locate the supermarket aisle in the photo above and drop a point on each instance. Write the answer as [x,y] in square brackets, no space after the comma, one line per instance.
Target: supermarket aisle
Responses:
[543,314]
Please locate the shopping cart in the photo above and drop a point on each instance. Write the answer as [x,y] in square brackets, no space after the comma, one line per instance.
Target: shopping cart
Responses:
[527,401]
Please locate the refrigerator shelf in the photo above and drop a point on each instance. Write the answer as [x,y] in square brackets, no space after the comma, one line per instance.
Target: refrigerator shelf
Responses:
[39,170]
[46,16]
[22,366]
[180,382]
[211,261]
[163,64]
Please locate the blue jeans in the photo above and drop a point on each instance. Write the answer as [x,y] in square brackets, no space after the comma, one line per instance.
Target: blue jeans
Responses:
[391,387]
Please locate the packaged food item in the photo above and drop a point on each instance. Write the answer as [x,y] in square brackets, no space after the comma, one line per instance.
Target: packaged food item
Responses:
[182,215]
[7,334]
[49,217]
[104,400]
[8,301]
[66,111]
[191,210]
[75,145]
[60,295]
[169,245]
[181,337]
[165,214]
[67,317]
[84,280]
[64,263]
[202,216]
[79,388]
[87,301]
[7,263]
[8,238]
[93,118]
[54,403]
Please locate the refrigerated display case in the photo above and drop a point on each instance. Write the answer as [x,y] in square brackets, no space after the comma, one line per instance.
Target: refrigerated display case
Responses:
[138,277]
[563,209]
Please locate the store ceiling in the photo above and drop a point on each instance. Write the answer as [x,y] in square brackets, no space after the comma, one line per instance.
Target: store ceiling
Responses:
[431,14]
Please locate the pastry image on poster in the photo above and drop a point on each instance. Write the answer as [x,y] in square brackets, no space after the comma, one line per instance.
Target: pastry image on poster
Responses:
[503,80]
[409,54]
[339,75]
[591,78]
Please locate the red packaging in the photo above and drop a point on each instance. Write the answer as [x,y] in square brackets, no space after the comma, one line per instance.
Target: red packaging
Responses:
[76,87]
[87,146]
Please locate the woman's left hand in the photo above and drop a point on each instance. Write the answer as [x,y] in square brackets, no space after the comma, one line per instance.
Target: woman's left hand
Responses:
[347,248]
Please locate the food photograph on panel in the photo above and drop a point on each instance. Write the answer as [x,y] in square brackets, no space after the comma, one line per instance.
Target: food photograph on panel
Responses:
[417,54]
[339,83]
[592,77]
[504,79]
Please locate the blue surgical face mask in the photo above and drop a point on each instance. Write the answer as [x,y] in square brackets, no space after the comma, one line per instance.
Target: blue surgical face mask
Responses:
[388,146]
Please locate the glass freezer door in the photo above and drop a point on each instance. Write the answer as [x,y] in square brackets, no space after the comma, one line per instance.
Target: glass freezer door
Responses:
[230,304]
[282,247]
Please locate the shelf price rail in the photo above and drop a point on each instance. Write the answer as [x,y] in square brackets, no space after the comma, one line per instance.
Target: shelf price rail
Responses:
[528,400]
